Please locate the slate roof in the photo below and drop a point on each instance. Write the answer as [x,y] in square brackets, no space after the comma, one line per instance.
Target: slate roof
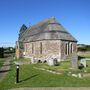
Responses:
[47,30]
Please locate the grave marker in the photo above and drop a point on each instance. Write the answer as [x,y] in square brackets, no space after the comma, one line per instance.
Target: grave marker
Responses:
[74,61]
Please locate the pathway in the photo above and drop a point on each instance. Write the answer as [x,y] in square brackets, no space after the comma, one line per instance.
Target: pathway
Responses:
[54,88]
[5,68]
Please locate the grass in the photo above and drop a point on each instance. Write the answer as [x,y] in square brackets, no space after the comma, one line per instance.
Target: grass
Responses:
[31,77]
[85,56]
[62,67]
[1,62]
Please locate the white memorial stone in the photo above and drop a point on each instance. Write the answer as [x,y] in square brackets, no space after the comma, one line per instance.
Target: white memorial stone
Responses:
[24,53]
[79,75]
[83,61]
[32,60]
[51,62]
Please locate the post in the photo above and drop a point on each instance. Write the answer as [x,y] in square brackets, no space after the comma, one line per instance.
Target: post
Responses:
[17,73]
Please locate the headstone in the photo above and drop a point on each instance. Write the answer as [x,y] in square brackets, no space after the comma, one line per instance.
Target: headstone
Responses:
[83,61]
[24,53]
[79,75]
[50,62]
[32,60]
[74,75]
[74,61]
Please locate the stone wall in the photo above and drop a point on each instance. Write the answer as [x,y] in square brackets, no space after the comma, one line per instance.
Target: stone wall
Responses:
[42,49]
[87,53]
[48,48]
[51,48]
[63,48]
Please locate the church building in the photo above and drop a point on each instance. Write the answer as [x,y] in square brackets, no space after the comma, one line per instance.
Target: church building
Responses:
[46,39]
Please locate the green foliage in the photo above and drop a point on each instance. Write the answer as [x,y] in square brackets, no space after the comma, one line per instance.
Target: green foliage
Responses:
[9,50]
[1,62]
[1,52]
[83,48]
[23,28]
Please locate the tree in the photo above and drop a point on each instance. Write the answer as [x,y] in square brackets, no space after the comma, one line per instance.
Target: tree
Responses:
[83,49]
[23,28]
[1,52]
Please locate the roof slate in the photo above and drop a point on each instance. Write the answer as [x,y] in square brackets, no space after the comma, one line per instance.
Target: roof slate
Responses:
[47,29]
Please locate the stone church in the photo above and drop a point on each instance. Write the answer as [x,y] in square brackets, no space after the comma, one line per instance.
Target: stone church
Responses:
[46,39]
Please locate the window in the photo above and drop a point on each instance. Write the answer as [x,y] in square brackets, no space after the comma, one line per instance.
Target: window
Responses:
[66,48]
[26,47]
[40,47]
[32,48]
[71,48]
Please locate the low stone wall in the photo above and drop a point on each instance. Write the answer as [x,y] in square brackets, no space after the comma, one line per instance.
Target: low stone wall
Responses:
[84,53]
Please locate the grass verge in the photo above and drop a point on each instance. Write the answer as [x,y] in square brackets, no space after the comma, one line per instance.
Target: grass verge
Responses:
[1,62]
[31,77]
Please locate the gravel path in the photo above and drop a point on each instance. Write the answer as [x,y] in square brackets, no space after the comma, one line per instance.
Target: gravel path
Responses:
[5,68]
[54,88]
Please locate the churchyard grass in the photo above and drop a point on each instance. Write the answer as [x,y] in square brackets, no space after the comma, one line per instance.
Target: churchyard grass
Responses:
[31,77]
[85,56]
[1,62]
[63,66]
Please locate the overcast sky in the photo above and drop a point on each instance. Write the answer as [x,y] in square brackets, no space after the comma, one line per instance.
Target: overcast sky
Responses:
[74,15]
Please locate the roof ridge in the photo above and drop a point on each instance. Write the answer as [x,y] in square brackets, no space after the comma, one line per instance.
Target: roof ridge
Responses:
[43,22]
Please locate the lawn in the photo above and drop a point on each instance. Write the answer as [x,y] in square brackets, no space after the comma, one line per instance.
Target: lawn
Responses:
[31,77]
[62,67]
[1,62]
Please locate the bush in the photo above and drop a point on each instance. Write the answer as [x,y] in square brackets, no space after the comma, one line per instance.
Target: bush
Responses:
[1,52]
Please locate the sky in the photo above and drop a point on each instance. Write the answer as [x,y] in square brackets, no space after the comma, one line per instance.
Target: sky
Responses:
[74,15]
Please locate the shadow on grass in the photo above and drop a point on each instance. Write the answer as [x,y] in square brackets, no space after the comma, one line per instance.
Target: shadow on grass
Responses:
[7,65]
[80,57]
[4,71]
[29,78]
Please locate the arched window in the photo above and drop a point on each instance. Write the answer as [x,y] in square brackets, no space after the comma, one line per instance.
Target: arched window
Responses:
[25,47]
[66,48]
[32,48]
[71,48]
[40,47]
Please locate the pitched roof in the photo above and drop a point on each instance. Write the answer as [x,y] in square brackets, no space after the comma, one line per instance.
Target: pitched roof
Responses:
[47,29]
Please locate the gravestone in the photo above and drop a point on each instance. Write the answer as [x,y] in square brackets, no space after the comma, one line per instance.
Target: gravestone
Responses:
[83,61]
[52,61]
[32,60]
[74,61]
[24,53]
